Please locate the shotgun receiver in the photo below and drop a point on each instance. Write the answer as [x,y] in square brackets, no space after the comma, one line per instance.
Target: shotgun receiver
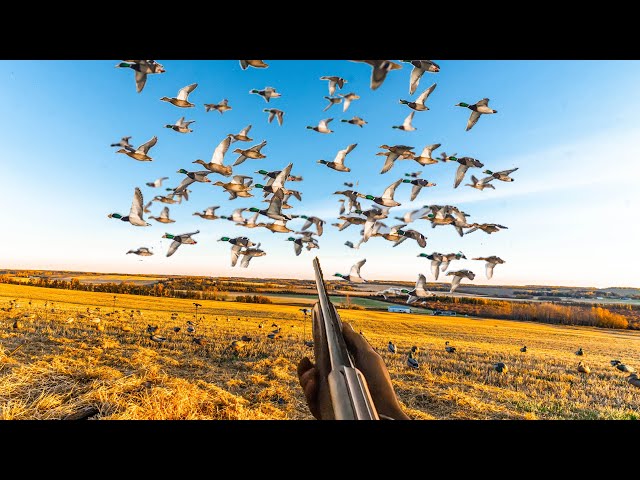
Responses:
[350,397]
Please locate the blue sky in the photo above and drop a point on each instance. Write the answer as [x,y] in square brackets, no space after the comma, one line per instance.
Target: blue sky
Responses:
[570,126]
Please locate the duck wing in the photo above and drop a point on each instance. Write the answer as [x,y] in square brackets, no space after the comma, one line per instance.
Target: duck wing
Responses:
[220,151]
[407,121]
[173,247]
[454,283]
[462,169]
[355,269]
[434,268]
[141,80]
[136,211]
[297,247]
[390,190]
[145,147]
[424,95]
[184,92]
[235,253]
[414,80]
[473,119]
[489,269]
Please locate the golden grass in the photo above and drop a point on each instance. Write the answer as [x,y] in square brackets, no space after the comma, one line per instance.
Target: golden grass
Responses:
[62,367]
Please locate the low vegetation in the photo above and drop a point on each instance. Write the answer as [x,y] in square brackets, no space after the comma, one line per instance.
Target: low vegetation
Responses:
[61,361]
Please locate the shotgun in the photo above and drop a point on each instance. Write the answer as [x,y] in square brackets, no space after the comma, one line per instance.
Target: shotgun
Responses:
[350,397]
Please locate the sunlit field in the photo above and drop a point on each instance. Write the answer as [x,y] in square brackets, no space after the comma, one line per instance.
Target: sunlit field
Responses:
[57,361]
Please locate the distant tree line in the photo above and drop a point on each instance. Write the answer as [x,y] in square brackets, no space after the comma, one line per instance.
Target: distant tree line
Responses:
[545,312]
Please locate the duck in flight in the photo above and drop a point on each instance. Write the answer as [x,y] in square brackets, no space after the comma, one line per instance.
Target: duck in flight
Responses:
[479,108]
[183,239]
[142,68]
[182,99]
[136,214]
[354,275]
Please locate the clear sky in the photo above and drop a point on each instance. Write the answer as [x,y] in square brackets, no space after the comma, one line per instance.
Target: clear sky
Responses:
[570,126]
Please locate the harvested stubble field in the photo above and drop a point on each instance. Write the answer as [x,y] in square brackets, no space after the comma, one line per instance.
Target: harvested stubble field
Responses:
[58,363]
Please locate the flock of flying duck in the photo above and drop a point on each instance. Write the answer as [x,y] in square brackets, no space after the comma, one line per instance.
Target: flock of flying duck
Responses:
[277,193]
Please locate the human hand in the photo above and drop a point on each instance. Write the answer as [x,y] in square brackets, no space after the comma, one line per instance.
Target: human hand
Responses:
[369,362]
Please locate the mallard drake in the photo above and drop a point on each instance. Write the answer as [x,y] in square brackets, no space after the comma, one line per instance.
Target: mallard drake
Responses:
[391,347]
[425,157]
[634,380]
[318,222]
[413,174]
[209,213]
[419,67]
[413,234]
[332,101]
[338,162]
[419,105]
[625,368]
[181,126]
[277,184]
[465,164]
[380,69]
[502,175]
[500,367]
[352,196]
[182,99]
[354,274]
[142,152]
[242,136]
[142,69]
[580,352]
[136,215]
[166,199]
[297,244]
[380,229]
[124,143]
[216,164]
[492,261]
[436,260]
[485,227]
[386,199]
[480,184]
[238,243]
[411,361]
[355,121]
[477,109]
[460,221]
[418,184]
[458,276]
[267,93]
[274,173]
[448,348]
[450,257]
[157,182]
[164,216]
[419,292]
[440,217]
[275,208]
[244,64]
[251,152]
[273,113]
[322,126]
[406,124]
[191,177]
[221,107]
[348,98]
[279,226]
[333,82]
[142,251]
[250,253]
[371,226]
[583,368]
[524,349]
[183,239]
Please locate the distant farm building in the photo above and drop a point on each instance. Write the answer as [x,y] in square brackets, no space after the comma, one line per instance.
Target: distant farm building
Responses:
[399,309]
[445,312]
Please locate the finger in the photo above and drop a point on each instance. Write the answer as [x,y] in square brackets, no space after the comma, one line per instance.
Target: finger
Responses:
[304,365]
[355,342]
